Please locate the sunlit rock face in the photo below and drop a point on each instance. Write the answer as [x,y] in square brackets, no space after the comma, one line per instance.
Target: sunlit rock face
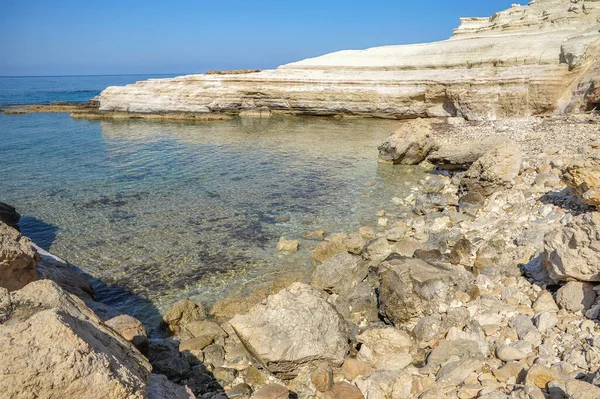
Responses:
[528,60]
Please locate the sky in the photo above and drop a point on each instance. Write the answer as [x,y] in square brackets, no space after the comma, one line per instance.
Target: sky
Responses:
[67,37]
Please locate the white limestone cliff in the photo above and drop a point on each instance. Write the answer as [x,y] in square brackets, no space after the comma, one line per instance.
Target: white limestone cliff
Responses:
[528,60]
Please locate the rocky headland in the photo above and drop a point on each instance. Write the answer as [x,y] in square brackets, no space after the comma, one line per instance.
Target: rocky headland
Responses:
[482,283]
[538,59]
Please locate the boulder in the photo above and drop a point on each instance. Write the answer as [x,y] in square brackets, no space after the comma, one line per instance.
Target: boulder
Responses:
[573,251]
[131,329]
[18,260]
[352,368]
[508,353]
[70,279]
[385,348]
[409,145]
[545,321]
[343,390]
[53,346]
[377,250]
[9,215]
[576,389]
[576,296]
[293,327]
[159,387]
[494,254]
[461,349]
[272,391]
[496,170]
[202,328]
[471,203]
[461,157]
[384,384]
[457,372]
[544,303]
[327,249]
[427,329]
[339,273]
[430,202]
[582,176]
[181,313]
[462,253]
[411,288]
[540,376]
[358,304]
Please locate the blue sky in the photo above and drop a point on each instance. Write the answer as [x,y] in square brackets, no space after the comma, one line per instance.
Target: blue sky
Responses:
[62,37]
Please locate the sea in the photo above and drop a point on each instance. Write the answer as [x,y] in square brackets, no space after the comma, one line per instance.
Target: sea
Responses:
[154,211]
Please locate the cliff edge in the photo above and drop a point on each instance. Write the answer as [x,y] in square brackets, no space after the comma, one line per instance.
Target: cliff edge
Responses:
[538,59]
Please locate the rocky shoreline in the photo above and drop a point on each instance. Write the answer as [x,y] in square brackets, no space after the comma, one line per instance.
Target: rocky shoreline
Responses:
[478,285]
[482,283]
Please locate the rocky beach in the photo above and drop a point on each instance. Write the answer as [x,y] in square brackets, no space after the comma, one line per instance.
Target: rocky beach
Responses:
[482,282]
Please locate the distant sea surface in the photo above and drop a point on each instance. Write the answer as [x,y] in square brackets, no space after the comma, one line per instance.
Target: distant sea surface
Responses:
[49,89]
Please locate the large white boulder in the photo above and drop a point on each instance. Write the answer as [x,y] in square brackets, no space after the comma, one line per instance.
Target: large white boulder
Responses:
[293,327]
[495,170]
[409,145]
[573,251]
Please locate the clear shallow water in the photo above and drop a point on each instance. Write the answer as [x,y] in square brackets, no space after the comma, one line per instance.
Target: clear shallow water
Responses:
[49,89]
[159,210]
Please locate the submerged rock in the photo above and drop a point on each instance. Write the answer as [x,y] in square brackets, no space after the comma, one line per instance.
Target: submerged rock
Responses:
[285,245]
[409,145]
[53,346]
[293,327]
[18,260]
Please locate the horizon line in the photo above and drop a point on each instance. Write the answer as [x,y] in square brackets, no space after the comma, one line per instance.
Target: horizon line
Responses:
[101,74]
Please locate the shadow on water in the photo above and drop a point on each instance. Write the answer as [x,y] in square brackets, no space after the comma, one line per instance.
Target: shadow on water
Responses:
[40,232]
[109,300]
[163,351]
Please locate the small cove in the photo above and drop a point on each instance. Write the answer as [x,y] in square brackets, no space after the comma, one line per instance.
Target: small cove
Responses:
[161,210]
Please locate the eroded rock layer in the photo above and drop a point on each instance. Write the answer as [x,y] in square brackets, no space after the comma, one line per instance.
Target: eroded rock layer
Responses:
[527,60]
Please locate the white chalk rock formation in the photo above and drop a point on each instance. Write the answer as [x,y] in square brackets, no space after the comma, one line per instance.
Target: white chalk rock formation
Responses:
[527,60]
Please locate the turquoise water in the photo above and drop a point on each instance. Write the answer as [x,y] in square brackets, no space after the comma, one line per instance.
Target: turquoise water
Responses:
[157,210]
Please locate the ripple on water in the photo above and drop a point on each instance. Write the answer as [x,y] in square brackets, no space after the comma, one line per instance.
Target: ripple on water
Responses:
[157,210]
